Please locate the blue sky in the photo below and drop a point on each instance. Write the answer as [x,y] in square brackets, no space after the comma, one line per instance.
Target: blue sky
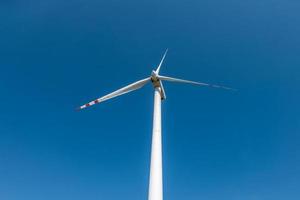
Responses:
[218,145]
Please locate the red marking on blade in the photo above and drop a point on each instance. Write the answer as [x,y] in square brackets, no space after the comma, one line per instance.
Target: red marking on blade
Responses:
[87,104]
[96,101]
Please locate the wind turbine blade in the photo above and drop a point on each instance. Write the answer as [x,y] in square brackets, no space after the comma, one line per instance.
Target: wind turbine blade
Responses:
[162,92]
[124,90]
[165,78]
[162,60]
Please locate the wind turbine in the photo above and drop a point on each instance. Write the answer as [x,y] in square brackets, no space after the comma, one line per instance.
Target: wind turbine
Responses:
[155,182]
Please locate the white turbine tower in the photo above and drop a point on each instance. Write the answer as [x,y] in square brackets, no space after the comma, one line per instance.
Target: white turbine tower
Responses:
[155,181]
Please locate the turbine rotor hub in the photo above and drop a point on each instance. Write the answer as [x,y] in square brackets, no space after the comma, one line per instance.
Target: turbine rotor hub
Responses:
[155,79]
[154,73]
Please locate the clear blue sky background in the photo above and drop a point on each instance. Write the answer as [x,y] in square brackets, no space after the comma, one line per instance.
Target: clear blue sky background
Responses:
[218,145]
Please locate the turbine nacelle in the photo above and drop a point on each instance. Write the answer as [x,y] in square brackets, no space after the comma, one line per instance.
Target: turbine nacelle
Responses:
[154,76]
[156,82]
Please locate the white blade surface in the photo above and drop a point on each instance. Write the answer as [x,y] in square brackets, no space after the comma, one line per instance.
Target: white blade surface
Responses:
[124,90]
[165,78]
[163,93]
[162,60]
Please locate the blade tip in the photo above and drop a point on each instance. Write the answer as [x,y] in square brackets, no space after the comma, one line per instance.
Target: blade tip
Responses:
[80,108]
